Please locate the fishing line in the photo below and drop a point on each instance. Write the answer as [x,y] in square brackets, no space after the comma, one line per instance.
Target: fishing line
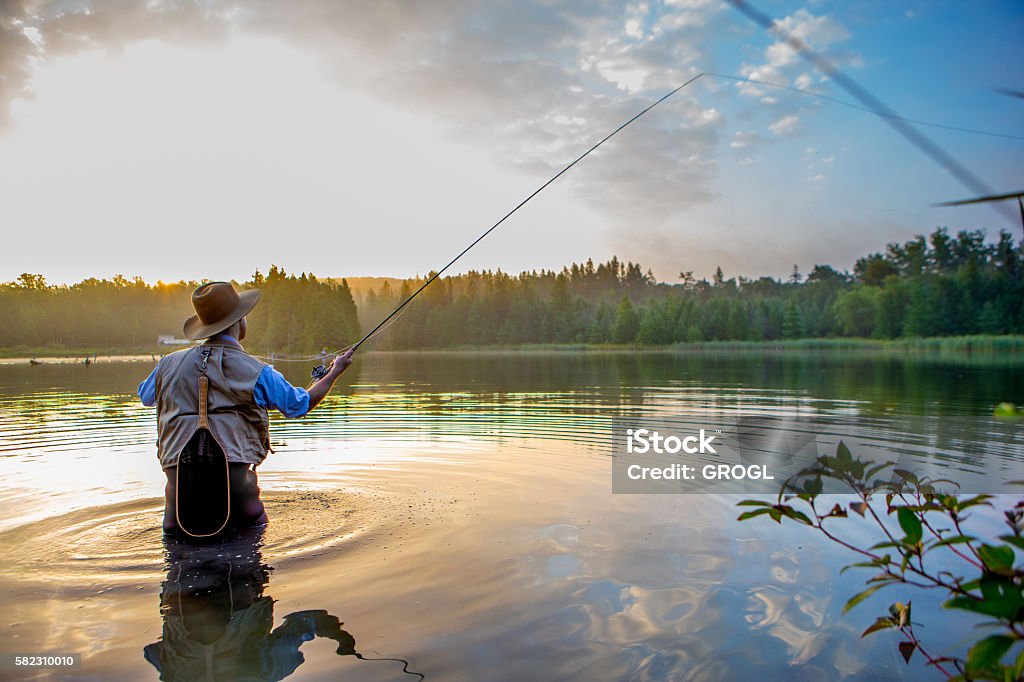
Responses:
[851,105]
[518,206]
[384,323]
[871,104]
[914,136]
[321,356]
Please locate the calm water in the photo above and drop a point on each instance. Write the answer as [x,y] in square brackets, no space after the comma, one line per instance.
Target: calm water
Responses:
[451,516]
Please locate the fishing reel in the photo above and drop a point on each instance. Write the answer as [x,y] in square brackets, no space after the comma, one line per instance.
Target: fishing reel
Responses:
[320,371]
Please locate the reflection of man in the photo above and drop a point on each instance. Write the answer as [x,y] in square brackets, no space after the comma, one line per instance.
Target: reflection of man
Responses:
[218,624]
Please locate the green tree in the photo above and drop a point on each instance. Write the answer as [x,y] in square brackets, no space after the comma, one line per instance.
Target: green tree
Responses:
[627,323]
[792,322]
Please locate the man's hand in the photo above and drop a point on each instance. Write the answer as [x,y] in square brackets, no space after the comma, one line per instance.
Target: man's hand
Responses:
[341,363]
[321,387]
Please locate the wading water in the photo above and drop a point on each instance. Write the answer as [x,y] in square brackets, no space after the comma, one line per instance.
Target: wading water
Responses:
[441,512]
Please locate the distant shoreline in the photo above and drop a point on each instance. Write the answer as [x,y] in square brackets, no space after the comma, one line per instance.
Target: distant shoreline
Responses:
[984,344]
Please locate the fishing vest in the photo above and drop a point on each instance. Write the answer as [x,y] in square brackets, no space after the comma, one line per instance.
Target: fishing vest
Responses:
[239,425]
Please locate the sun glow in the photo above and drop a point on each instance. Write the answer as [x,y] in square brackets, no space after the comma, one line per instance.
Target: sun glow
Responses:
[174,162]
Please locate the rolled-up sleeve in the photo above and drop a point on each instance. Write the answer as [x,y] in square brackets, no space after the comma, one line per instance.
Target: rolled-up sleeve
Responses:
[272,390]
[147,390]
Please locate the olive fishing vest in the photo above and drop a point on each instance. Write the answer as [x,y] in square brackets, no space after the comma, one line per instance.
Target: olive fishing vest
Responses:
[239,425]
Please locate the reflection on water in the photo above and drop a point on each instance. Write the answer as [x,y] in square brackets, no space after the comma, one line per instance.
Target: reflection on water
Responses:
[455,511]
[218,621]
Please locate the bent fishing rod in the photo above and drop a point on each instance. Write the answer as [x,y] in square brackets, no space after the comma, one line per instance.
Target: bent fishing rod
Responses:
[872,105]
[508,215]
[320,370]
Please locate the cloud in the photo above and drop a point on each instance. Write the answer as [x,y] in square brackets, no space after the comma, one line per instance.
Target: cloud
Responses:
[781,65]
[19,48]
[820,33]
[785,125]
[744,139]
[538,82]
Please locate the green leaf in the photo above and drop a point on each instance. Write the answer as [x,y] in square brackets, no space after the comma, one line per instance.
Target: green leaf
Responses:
[843,452]
[1005,595]
[971,585]
[966,604]
[874,563]
[1006,410]
[973,501]
[997,559]
[881,624]
[861,596]
[987,652]
[906,475]
[910,524]
[1014,540]
[798,516]
[753,503]
[882,577]
[751,514]
[1000,598]
[813,486]
[953,540]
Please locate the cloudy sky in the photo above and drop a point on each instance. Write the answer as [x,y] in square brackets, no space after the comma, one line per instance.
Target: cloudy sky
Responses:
[205,139]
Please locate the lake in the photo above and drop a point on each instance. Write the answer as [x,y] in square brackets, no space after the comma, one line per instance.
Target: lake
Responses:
[450,516]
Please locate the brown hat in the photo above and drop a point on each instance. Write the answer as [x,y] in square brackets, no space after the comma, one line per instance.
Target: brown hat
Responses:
[218,306]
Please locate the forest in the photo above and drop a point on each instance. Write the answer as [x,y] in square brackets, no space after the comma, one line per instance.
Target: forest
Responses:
[939,285]
[295,313]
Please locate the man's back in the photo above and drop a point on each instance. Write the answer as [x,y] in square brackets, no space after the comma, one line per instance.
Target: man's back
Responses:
[237,422]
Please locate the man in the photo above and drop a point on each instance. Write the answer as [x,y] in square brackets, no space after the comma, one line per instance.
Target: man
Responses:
[238,388]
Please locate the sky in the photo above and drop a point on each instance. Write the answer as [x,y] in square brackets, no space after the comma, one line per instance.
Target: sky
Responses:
[205,140]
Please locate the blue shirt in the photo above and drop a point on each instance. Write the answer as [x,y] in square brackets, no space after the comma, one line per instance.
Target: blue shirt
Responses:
[272,390]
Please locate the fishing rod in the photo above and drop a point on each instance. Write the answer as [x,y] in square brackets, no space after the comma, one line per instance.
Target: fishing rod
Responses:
[505,217]
[320,370]
[869,102]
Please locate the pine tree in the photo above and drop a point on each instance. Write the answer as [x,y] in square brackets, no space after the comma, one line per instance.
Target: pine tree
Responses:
[792,322]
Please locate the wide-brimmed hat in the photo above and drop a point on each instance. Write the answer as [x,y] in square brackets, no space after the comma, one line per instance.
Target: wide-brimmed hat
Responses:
[218,306]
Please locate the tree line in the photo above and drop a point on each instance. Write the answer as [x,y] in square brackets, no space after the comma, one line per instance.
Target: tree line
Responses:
[295,314]
[942,285]
[939,285]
